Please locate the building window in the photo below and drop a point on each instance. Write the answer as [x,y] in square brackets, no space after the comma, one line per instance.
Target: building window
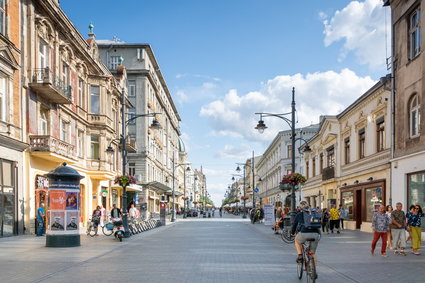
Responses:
[289,151]
[64,131]
[95,100]
[132,88]
[314,166]
[415,34]
[65,73]
[44,122]
[321,163]
[307,169]
[115,62]
[3,98]
[81,93]
[3,17]
[416,189]
[43,54]
[80,143]
[362,141]
[414,116]
[380,134]
[132,169]
[347,150]
[94,147]
[331,156]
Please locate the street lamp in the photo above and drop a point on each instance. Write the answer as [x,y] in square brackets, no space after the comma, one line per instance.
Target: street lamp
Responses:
[123,139]
[261,126]
[238,169]
[175,166]
[184,191]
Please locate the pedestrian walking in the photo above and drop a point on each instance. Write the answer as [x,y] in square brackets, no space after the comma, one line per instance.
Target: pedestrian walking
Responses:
[334,219]
[115,212]
[414,226]
[380,228]
[133,211]
[389,209]
[325,221]
[342,215]
[398,225]
[96,217]
[409,233]
[40,220]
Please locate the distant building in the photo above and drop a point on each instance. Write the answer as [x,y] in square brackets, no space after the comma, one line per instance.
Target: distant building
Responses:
[156,150]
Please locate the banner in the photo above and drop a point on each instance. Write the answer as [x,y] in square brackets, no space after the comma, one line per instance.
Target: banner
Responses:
[269,214]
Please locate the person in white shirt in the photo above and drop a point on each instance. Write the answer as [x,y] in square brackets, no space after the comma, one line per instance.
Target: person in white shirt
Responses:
[134,212]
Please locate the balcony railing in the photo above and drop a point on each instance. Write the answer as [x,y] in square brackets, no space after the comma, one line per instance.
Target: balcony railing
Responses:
[50,144]
[100,120]
[328,173]
[51,87]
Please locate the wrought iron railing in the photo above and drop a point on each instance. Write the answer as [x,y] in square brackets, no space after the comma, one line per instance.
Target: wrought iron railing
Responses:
[45,75]
[328,173]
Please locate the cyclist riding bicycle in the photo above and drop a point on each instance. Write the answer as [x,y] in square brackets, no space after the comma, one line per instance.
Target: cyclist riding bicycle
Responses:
[310,224]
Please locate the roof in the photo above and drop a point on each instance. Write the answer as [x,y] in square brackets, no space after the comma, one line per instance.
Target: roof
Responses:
[182,146]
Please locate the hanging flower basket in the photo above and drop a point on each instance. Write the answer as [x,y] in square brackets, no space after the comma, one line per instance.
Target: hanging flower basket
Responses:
[185,198]
[244,198]
[125,180]
[292,180]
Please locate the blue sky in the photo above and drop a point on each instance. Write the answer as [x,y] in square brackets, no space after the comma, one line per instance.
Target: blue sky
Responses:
[223,60]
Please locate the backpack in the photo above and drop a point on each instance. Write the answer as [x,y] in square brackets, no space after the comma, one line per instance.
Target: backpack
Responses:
[312,220]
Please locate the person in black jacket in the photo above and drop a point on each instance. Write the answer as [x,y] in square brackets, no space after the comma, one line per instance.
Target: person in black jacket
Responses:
[305,234]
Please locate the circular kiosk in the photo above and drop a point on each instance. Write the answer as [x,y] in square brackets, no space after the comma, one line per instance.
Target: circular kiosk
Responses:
[63,207]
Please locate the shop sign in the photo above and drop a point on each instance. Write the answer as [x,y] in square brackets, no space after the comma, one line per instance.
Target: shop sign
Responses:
[42,182]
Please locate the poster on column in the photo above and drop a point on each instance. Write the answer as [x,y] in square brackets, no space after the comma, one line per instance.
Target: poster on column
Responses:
[57,220]
[57,200]
[268,214]
[71,220]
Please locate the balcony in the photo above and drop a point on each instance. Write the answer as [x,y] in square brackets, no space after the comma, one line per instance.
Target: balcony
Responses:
[131,145]
[328,173]
[52,149]
[49,86]
[101,120]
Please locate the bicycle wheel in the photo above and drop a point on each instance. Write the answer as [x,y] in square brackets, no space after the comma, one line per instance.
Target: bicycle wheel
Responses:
[93,231]
[300,269]
[286,236]
[106,231]
[311,270]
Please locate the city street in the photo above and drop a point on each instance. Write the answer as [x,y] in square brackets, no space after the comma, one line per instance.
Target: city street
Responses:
[200,250]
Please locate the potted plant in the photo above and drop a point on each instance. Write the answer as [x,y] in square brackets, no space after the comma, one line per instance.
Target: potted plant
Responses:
[125,180]
[292,180]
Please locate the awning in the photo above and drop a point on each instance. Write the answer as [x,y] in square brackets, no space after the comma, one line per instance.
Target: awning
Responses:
[157,187]
[134,187]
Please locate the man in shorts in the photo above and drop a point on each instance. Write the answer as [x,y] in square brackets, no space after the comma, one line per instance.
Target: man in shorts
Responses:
[305,233]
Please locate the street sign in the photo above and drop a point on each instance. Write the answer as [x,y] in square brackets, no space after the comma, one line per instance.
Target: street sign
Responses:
[256,190]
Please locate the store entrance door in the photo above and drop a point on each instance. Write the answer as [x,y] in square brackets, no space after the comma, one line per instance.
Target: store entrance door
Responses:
[7,212]
[358,214]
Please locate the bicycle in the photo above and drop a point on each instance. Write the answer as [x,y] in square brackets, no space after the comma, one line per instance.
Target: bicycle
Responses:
[91,228]
[108,228]
[308,263]
[286,236]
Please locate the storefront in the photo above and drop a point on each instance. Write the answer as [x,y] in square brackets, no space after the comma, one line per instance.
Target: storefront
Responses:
[41,194]
[416,189]
[8,199]
[361,201]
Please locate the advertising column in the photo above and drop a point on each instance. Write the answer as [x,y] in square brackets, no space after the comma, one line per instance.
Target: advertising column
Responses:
[63,207]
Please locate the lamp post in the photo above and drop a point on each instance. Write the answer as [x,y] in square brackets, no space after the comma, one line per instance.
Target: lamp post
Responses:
[238,169]
[175,166]
[123,140]
[194,185]
[261,126]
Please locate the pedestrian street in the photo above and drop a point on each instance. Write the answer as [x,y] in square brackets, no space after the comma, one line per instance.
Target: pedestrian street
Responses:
[200,250]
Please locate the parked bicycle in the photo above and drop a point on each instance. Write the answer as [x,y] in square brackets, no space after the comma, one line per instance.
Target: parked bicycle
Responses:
[92,227]
[308,263]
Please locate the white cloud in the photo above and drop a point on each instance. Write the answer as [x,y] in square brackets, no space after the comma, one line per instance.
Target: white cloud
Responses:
[361,25]
[316,94]
[208,85]
[239,152]
[181,96]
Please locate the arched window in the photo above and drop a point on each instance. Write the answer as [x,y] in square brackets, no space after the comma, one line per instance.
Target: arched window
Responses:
[414,116]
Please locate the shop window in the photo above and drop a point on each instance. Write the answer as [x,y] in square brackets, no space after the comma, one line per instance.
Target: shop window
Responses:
[416,189]
[347,150]
[380,134]
[7,199]
[414,116]
[362,143]
[347,201]
[373,202]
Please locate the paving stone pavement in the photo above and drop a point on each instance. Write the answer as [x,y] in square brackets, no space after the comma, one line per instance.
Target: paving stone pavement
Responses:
[201,250]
